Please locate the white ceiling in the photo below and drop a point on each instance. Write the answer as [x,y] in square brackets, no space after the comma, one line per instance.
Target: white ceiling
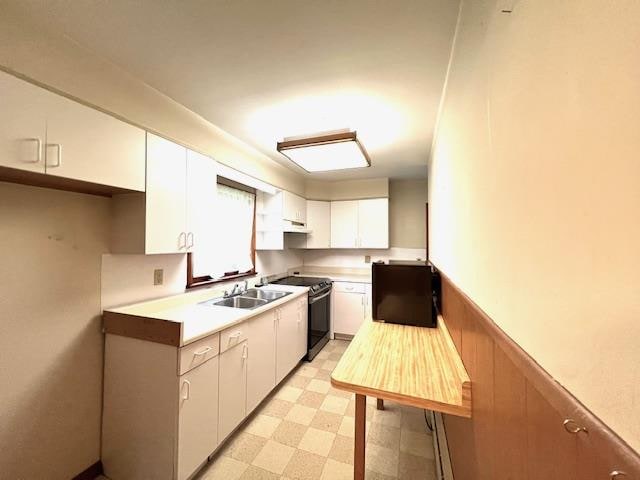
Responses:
[267,69]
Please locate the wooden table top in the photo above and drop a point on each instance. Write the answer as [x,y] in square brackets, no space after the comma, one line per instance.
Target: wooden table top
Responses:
[411,365]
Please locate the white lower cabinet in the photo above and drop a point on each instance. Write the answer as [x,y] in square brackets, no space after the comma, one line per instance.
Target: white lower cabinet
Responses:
[291,337]
[350,307]
[261,367]
[168,408]
[233,388]
[198,417]
[160,417]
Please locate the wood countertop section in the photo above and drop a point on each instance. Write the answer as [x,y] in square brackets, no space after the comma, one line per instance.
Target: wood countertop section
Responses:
[411,365]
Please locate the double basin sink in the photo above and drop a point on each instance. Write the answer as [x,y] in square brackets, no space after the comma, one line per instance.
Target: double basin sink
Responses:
[252,298]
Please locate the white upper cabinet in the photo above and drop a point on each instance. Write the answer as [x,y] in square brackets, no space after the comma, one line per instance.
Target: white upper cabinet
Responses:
[47,133]
[166,198]
[360,223]
[88,145]
[23,120]
[344,224]
[319,222]
[201,206]
[373,223]
[294,208]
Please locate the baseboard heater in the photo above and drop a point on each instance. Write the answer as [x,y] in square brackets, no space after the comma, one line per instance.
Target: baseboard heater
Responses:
[440,447]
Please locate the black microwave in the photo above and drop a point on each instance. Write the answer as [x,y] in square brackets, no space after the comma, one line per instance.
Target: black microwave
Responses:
[406,293]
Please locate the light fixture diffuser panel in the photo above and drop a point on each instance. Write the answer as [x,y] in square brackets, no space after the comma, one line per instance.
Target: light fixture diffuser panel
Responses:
[329,156]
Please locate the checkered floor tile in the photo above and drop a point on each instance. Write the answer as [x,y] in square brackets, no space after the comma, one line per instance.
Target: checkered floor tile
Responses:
[304,431]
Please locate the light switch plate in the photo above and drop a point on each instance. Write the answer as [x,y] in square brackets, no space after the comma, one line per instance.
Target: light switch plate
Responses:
[158,276]
[367,259]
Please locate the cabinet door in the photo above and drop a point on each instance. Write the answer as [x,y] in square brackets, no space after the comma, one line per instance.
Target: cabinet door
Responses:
[261,364]
[293,207]
[302,338]
[198,417]
[201,210]
[288,350]
[22,116]
[348,312]
[344,224]
[166,196]
[319,222]
[373,223]
[233,389]
[367,302]
[85,144]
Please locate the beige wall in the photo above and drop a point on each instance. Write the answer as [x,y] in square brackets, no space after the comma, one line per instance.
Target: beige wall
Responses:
[60,64]
[50,331]
[534,188]
[407,216]
[347,189]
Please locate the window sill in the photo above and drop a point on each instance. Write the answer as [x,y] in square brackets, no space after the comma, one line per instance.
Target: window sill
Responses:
[203,283]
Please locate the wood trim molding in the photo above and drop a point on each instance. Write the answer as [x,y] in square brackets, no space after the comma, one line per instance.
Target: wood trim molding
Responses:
[91,472]
[530,407]
[43,180]
[143,328]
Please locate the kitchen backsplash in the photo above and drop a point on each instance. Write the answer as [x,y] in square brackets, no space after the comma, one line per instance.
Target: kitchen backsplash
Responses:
[356,258]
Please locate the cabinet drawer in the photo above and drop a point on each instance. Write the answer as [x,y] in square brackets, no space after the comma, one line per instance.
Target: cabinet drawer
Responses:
[349,287]
[198,352]
[233,336]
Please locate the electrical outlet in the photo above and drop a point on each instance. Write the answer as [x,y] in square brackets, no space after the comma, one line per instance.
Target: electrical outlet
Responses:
[158,276]
[367,259]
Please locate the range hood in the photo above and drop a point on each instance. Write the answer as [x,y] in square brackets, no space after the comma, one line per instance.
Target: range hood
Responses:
[294,227]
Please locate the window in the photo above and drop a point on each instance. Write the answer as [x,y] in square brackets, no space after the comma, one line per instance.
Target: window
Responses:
[233,254]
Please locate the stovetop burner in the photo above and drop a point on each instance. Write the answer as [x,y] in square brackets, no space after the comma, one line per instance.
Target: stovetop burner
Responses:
[315,284]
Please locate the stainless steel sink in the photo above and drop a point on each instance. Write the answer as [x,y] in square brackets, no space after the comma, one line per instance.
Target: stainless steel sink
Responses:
[240,302]
[268,295]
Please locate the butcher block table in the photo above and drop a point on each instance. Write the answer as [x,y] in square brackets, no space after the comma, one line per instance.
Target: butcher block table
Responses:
[410,365]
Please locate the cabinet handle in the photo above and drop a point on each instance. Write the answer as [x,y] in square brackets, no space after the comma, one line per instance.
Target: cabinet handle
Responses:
[180,244]
[235,336]
[188,392]
[58,155]
[617,474]
[204,351]
[245,351]
[38,150]
[190,243]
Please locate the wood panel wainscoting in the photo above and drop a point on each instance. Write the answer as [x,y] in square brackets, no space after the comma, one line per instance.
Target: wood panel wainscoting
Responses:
[524,426]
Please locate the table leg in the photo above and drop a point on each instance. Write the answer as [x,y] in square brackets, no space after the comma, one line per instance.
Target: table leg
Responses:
[361,425]
[379,404]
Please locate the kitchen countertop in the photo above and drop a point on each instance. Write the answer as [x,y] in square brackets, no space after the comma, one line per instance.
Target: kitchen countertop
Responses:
[180,319]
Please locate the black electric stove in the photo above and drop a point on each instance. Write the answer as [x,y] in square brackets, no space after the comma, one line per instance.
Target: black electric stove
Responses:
[319,316]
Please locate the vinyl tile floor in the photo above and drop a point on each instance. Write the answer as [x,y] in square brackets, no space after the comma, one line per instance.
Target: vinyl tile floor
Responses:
[304,431]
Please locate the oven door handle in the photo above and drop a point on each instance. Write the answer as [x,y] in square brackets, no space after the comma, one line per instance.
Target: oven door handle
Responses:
[316,299]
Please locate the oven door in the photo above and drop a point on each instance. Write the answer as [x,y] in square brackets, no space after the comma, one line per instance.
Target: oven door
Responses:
[319,322]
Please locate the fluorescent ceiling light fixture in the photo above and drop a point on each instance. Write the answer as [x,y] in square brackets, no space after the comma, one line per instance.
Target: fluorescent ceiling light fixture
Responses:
[324,152]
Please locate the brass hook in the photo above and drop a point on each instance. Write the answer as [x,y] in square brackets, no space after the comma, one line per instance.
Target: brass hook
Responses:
[571,426]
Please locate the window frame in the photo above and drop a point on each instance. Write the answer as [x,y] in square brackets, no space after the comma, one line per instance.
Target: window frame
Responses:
[194,282]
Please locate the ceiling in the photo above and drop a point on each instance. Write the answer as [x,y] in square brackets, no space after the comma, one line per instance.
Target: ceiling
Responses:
[267,69]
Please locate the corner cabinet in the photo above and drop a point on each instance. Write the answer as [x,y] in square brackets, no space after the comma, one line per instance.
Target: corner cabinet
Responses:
[360,223]
[47,133]
[173,216]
